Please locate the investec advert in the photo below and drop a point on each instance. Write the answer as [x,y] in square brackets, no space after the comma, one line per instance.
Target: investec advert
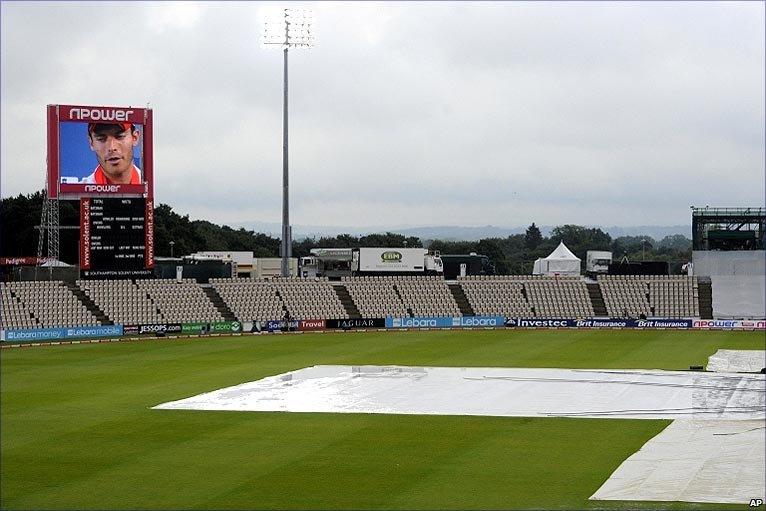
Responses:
[114,236]
[597,323]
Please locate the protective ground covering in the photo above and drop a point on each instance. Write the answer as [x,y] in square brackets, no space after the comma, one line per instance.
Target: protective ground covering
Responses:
[715,454]
[737,361]
[695,461]
[505,392]
[718,461]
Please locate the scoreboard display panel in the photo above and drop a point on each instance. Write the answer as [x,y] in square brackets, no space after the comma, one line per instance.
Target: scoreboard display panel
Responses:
[99,151]
[116,237]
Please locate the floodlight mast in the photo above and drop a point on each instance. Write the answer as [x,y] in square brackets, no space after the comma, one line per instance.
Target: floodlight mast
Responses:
[292,30]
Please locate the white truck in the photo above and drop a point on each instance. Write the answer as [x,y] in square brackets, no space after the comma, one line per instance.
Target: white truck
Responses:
[597,262]
[341,262]
[400,261]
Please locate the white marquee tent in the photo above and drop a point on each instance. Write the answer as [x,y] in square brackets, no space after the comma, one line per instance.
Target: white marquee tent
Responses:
[560,262]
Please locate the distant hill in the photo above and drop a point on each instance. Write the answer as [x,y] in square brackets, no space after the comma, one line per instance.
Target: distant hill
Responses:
[456,233]
[655,231]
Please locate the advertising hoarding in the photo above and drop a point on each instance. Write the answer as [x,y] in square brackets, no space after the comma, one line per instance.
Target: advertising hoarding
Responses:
[280,325]
[158,328]
[730,324]
[51,334]
[597,323]
[22,261]
[446,322]
[391,259]
[224,327]
[349,323]
[99,151]
[478,321]
[184,328]
[194,328]
[539,322]
[421,322]
[307,325]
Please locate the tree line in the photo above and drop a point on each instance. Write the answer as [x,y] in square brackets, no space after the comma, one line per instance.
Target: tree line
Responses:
[514,254]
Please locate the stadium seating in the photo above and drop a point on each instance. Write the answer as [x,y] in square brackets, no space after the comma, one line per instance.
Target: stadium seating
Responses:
[250,299]
[559,298]
[180,301]
[122,301]
[151,301]
[51,304]
[375,297]
[496,297]
[39,304]
[310,299]
[426,296]
[265,299]
[675,297]
[13,313]
[528,295]
[523,278]
[668,296]
[400,296]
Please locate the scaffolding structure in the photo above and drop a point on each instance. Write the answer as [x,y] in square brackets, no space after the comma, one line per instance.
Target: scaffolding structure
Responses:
[728,228]
[49,230]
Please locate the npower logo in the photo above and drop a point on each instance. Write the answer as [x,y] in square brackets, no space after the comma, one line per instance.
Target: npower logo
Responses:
[729,323]
[99,114]
[102,188]
[391,256]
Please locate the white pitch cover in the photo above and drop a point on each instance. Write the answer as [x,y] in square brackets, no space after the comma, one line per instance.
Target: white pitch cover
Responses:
[701,399]
[695,461]
[736,361]
[504,392]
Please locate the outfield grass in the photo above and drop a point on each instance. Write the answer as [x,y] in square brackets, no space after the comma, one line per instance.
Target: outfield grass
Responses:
[78,431]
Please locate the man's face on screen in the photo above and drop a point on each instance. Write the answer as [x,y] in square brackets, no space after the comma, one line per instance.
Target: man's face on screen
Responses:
[113,146]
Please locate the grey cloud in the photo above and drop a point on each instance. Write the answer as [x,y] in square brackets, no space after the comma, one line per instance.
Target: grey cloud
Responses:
[555,112]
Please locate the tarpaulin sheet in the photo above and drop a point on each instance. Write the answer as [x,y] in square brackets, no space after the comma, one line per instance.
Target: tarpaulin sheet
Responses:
[737,361]
[701,458]
[695,461]
[510,392]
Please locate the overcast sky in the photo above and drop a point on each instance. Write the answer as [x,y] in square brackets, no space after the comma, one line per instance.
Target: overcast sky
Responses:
[433,113]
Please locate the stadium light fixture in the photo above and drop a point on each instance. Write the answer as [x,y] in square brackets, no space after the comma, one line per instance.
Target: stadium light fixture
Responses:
[289,28]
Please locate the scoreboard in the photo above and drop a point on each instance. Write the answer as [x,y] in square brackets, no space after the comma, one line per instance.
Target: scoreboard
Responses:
[116,237]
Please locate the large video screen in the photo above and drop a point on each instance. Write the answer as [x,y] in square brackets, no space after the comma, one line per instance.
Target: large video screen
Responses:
[116,237]
[99,151]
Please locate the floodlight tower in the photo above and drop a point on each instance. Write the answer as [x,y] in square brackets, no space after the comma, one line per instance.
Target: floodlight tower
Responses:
[292,28]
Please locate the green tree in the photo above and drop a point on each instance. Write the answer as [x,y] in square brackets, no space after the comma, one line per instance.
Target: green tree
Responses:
[493,248]
[20,227]
[533,237]
[677,242]
[452,247]
[633,247]
[389,240]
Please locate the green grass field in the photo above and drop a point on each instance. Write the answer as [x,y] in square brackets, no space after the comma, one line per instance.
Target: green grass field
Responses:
[78,431]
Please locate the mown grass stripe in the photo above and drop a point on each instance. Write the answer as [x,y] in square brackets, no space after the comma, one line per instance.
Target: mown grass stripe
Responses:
[77,431]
